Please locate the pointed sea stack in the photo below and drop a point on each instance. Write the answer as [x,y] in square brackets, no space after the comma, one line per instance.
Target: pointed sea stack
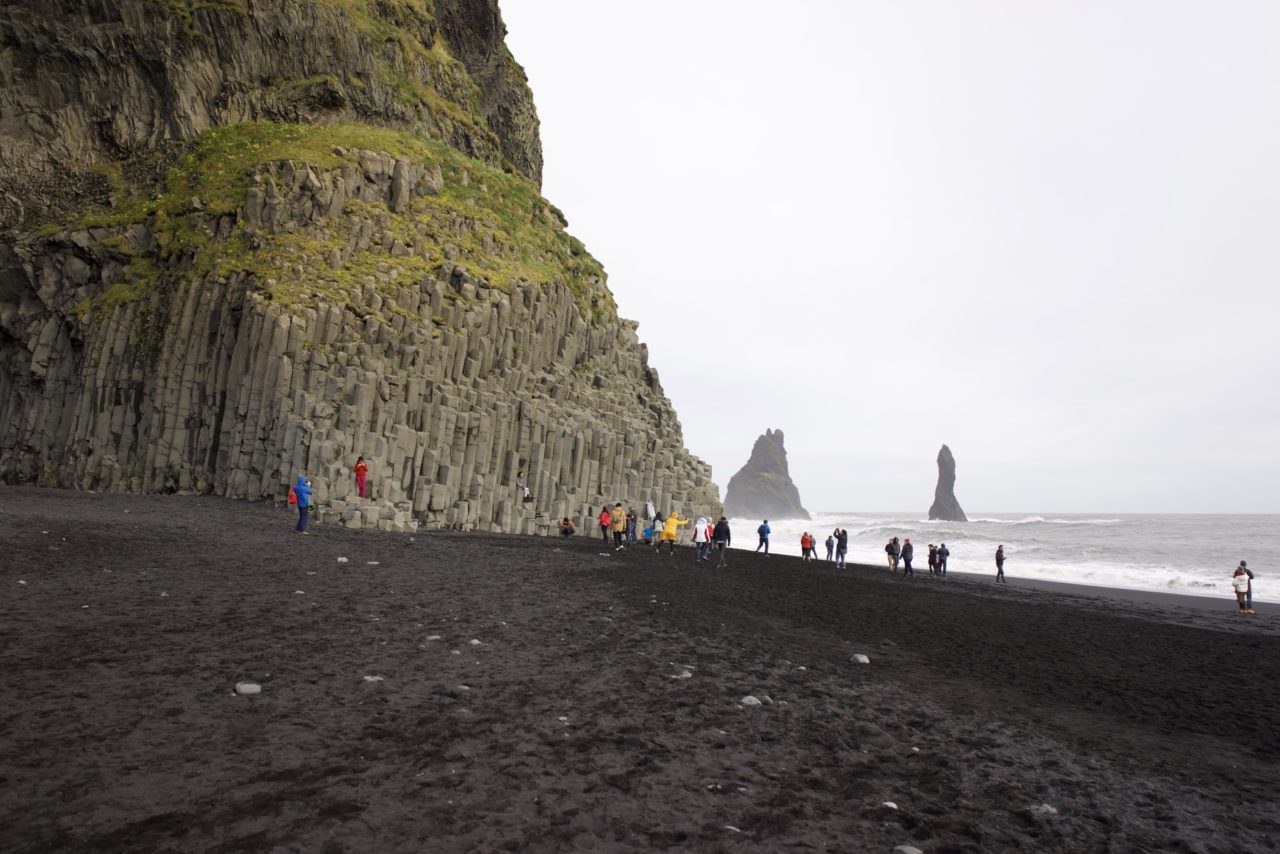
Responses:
[945,506]
[763,488]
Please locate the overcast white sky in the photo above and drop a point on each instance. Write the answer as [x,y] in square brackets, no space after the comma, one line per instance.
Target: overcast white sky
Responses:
[1044,233]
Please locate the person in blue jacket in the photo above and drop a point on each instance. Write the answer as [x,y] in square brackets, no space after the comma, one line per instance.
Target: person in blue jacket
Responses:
[302,489]
[764,531]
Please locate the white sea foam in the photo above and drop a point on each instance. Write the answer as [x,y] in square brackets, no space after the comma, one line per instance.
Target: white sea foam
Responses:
[1194,555]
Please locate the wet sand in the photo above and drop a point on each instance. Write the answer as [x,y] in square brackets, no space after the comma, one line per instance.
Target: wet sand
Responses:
[602,707]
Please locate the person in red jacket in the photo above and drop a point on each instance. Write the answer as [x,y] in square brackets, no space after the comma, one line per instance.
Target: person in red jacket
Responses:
[362,472]
[605,522]
[806,546]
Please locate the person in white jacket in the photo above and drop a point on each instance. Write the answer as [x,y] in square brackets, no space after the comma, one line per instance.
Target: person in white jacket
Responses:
[1240,583]
[701,543]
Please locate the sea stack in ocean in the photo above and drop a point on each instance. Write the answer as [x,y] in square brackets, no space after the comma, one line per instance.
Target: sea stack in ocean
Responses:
[763,486]
[945,506]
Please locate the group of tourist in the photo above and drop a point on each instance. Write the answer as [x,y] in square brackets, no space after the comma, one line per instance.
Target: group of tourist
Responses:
[622,526]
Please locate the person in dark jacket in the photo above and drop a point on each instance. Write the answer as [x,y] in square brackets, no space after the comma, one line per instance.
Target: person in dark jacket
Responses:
[943,554]
[1248,593]
[842,546]
[891,550]
[1000,565]
[933,559]
[831,544]
[720,538]
[908,552]
[302,489]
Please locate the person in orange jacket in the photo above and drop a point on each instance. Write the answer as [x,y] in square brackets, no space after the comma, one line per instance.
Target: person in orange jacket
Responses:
[605,522]
[806,546]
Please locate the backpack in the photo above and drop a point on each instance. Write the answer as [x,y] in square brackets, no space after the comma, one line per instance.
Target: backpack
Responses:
[293,496]
[760,530]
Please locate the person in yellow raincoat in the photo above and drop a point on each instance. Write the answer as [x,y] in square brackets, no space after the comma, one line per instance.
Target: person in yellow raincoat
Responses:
[618,522]
[670,530]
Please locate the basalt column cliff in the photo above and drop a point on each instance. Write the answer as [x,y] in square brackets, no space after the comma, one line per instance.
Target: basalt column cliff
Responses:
[243,240]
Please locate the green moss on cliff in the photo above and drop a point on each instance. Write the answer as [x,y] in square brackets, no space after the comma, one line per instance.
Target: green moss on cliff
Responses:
[500,227]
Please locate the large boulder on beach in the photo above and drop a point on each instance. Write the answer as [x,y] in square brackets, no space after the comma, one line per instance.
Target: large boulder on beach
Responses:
[945,506]
[763,488]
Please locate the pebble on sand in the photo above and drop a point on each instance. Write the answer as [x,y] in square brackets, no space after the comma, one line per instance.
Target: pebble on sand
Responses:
[342,560]
[859,659]
[373,679]
[906,849]
[474,642]
[890,804]
[248,689]
[750,701]
[1044,809]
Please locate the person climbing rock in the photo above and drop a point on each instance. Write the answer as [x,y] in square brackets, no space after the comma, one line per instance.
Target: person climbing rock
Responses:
[362,473]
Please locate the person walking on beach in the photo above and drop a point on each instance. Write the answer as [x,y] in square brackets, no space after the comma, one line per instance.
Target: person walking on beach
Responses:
[1000,565]
[721,537]
[1248,593]
[842,546]
[806,546]
[831,542]
[618,521]
[605,522]
[764,530]
[362,473]
[670,532]
[891,550]
[701,540]
[943,554]
[933,559]
[302,489]
[908,552]
[1240,583]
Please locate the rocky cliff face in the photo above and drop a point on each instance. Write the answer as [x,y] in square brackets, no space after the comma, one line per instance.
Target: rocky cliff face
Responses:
[763,488]
[945,506]
[247,240]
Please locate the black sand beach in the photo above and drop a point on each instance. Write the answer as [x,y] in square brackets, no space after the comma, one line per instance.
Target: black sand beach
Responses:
[460,691]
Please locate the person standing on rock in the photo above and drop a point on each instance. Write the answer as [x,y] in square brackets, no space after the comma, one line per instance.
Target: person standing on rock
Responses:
[842,547]
[1000,565]
[943,554]
[362,472]
[618,521]
[908,552]
[1248,593]
[701,542]
[891,551]
[831,542]
[670,533]
[721,536]
[525,494]
[302,489]
[605,522]
[764,530]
